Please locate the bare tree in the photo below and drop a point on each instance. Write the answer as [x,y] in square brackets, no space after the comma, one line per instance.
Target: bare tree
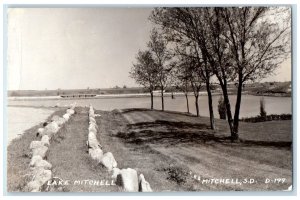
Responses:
[182,74]
[196,81]
[259,41]
[185,24]
[145,72]
[158,46]
[240,44]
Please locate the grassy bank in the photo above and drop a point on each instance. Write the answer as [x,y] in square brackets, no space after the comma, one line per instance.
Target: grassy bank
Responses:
[18,157]
[168,148]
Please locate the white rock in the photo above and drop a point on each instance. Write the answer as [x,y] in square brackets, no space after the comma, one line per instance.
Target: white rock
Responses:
[93,131]
[92,120]
[66,116]
[70,111]
[36,144]
[92,128]
[43,164]
[60,121]
[37,161]
[45,140]
[48,133]
[115,172]
[109,161]
[42,176]
[93,124]
[40,131]
[55,118]
[40,151]
[92,136]
[96,154]
[33,186]
[144,185]
[93,144]
[52,127]
[34,159]
[128,179]
[73,106]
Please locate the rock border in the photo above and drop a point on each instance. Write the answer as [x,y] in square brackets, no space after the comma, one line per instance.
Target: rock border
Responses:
[127,178]
[40,167]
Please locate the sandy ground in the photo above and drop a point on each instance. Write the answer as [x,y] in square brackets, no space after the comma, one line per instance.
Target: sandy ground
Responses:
[23,118]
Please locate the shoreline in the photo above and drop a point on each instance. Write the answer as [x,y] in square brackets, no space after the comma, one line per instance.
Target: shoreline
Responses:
[116,137]
[139,95]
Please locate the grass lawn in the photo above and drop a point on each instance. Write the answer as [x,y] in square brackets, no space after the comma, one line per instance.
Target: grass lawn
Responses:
[168,148]
[263,152]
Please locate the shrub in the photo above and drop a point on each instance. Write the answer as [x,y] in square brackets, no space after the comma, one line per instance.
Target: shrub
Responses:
[263,112]
[176,174]
[222,108]
[272,117]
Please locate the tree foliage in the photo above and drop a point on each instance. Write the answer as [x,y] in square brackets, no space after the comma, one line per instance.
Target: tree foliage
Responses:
[237,44]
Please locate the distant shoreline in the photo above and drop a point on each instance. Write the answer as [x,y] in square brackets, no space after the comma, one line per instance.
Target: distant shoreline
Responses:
[104,96]
[139,95]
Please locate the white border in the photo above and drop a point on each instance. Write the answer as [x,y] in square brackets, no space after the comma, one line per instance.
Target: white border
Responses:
[148,3]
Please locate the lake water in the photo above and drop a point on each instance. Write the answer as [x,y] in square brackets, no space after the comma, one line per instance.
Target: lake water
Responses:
[23,118]
[249,107]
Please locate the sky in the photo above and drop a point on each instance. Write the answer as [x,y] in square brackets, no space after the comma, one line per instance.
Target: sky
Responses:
[77,48]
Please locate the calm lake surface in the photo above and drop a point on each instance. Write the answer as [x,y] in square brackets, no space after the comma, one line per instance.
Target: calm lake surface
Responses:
[249,107]
[22,118]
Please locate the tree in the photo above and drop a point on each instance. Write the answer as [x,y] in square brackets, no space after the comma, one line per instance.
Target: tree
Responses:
[180,24]
[237,44]
[158,47]
[189,72]
[259,41]
[182,77]
[145,72]
[196,81]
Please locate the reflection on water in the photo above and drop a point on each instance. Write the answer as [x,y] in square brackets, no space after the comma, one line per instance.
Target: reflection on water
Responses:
[249,107]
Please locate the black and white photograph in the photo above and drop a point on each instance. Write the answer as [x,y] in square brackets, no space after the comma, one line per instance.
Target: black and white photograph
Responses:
[149,99]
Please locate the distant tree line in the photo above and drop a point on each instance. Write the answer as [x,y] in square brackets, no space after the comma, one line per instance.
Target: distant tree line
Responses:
[191,46]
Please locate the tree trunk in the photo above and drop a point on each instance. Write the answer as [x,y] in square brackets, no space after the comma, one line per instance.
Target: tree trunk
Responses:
[162,100]
[237,110]
[151,93]
[210,106]
[187,103]
[228,110]
[197,106]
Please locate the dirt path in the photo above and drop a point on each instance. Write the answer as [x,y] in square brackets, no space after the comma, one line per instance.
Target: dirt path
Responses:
[209,158]
[142,158]
[209,164]
[164,151]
